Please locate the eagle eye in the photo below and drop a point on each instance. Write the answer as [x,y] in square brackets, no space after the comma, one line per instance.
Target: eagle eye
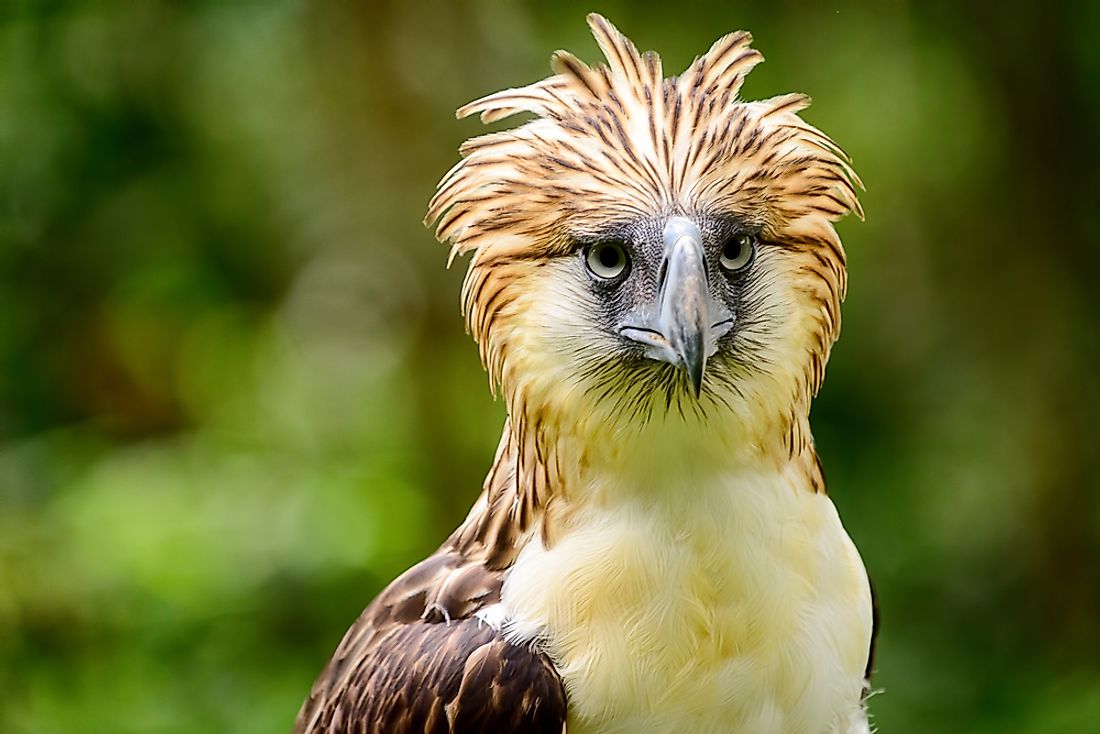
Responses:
[607,260]
[737,252]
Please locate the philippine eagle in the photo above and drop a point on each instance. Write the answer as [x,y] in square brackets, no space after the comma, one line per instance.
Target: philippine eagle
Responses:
[655,285]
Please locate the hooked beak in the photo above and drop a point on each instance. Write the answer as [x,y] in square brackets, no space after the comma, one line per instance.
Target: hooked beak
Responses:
[679,330]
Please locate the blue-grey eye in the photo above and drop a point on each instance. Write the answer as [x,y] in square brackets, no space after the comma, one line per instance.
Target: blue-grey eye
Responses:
[607,260]
[737,252]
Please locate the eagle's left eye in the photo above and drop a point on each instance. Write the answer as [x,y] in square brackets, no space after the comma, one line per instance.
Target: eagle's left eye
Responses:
[737,252]
[606,260]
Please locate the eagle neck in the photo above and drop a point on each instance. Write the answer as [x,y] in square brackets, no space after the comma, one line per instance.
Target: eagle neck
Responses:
[576,462]
[545,471]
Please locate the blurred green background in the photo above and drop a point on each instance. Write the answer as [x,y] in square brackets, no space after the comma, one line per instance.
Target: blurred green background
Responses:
[236,397]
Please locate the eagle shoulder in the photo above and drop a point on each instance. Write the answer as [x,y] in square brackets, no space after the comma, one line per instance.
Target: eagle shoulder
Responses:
[418,661]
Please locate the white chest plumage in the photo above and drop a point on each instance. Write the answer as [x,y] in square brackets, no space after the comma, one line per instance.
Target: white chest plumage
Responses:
[740,607]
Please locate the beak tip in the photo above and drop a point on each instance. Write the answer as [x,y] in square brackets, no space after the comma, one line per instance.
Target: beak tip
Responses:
[695,374]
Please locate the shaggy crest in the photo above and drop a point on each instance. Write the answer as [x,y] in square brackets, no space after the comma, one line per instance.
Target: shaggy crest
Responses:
[614,142]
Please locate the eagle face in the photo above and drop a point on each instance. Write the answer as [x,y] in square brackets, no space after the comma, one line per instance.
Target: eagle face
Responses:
[684,316]
[664,294]
[651,250]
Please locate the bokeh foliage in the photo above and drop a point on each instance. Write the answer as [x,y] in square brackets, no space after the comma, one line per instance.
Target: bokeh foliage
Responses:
[236,397]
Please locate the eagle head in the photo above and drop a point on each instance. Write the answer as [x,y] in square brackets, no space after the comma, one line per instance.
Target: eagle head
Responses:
[650,251]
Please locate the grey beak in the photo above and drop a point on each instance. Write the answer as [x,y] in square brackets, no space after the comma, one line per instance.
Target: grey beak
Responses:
[678,330]
[685,299]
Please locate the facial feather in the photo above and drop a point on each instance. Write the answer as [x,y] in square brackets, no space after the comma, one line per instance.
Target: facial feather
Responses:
[616,143]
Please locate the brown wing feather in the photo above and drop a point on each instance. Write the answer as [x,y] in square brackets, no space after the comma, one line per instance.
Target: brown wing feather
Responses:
[417,661]
[876,626]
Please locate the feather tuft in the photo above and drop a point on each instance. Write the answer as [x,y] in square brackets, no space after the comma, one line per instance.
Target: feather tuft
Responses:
[614,142]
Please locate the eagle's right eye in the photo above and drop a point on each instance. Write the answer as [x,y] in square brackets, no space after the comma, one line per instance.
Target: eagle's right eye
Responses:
[607,260]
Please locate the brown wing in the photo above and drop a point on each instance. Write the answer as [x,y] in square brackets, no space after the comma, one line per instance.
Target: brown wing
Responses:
[417,662]
[876,625]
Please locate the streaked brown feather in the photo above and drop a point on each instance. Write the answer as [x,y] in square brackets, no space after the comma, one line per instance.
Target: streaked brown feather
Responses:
[417,661]
[615,142]
[421,677]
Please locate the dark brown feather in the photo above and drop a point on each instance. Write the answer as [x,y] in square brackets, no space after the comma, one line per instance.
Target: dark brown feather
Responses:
[876,627]
[417,661]
[420,677]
